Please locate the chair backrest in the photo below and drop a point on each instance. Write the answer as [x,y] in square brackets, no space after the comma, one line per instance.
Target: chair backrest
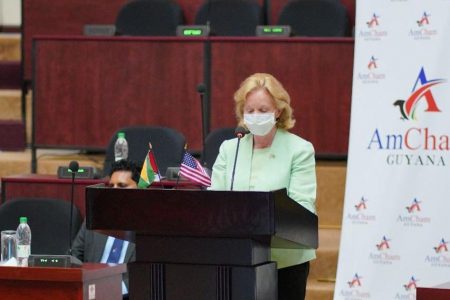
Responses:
[48,219]
[212,144]
[167,143]
[230,17]
[149,18]
[315,18]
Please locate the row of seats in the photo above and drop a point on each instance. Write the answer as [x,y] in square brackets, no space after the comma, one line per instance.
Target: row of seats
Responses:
[167,144]
[233,17]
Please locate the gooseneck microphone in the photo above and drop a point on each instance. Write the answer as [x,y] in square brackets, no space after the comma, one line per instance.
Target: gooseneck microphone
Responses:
[240,133]
[73,168]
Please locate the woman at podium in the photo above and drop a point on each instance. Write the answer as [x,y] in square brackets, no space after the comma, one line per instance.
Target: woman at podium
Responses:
[270,158]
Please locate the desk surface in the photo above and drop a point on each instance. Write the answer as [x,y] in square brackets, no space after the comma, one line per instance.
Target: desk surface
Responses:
[41,178]
[87,272]
[53,179]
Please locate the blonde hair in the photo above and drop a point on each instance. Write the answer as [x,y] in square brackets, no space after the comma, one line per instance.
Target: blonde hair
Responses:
[276,91]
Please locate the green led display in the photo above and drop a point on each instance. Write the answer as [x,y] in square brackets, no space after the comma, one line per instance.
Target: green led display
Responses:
[273,31]
[192,32]
[79,171]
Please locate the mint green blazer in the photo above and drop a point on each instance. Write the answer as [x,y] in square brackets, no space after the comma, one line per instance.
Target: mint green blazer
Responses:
[290,164]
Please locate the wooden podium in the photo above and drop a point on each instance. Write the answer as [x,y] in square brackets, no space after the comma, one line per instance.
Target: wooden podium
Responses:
[91,281]
[203,244]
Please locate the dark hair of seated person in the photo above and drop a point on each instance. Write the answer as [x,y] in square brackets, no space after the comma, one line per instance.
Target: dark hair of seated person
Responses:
[126,165]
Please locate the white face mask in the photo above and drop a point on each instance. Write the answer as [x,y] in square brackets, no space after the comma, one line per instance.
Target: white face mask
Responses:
[259,124]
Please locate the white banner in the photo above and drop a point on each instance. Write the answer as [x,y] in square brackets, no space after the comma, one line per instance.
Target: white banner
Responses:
[396,221]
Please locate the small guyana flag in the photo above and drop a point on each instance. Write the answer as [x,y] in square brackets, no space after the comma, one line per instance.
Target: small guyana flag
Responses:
[149,169]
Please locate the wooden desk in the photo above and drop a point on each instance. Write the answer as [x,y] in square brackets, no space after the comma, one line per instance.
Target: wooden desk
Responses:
[46,186]
[49,186]
[98,280]
[114,82]
[40,17]
[439,292]
[157,84]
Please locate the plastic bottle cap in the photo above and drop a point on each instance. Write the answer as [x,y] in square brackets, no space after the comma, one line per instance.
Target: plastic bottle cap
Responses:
[23,219]
[121,134]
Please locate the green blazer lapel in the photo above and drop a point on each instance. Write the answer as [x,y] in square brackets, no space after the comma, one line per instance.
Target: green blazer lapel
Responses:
[279,143]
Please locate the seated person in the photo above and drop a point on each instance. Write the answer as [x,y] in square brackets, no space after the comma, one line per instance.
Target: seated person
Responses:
[91,246]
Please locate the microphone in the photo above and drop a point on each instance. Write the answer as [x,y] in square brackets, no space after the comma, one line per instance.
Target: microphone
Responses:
[240,133]
[201,89]
[73,168]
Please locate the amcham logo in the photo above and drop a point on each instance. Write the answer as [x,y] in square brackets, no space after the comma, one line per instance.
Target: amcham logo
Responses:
[373,21]
[441,258]
[355,282]
[372,32]
[355,289]
[371,74]
[424,20]
[372,63]
[424,29]
[384,244]
[414,206]
[422,91]
[361,205]
[360,215]
[442,247]
[411,285]
[415,217]
[409,290]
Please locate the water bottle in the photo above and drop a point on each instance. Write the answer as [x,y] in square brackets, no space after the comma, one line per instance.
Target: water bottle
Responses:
[121,147]
[23,242]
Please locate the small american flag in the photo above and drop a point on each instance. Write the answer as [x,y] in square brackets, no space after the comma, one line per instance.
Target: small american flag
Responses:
[192,170]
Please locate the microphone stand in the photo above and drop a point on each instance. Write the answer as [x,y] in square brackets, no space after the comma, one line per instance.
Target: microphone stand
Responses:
[201,89]
[235,160]
[73,167]
[240,133]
